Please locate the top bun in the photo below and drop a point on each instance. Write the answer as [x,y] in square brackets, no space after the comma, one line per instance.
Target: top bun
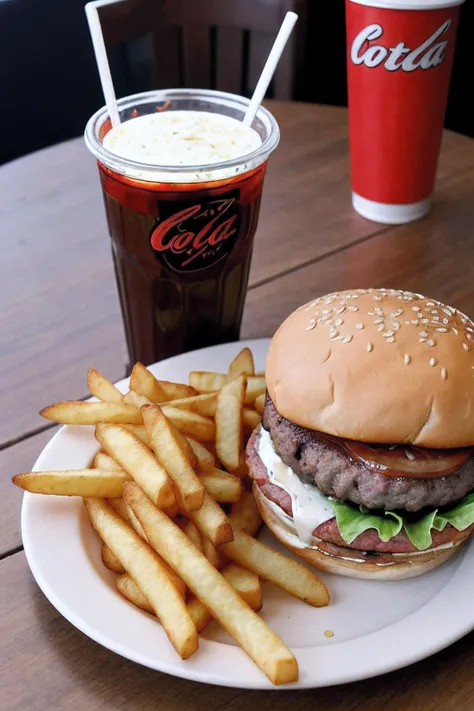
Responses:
[376,365]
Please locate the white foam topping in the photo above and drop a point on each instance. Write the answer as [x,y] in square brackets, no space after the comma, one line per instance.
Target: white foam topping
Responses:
[182,138]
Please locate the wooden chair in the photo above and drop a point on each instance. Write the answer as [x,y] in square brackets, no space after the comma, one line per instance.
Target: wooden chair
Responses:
[214,44]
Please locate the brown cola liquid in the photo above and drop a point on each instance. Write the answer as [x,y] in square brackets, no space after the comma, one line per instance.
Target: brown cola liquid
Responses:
[182,257]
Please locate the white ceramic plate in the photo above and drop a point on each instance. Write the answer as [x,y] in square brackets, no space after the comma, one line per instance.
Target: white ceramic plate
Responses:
[378,626]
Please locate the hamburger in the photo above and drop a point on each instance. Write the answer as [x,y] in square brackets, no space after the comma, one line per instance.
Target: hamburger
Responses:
[364,462]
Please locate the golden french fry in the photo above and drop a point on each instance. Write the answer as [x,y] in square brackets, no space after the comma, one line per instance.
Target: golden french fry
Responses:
[245,516]
[246,583]
[242,364]
[138,461]
[205,382]
[140,432]
[251,419]
[90,413]
[190,423]
[229,430]
[285,572]
[101,387]
[224,488]
[120,508]
[133,398]
[192,532]
[80,482]
[140,561]
[242,584]
[177,391]
[212,553]
[204,404]
[259,403]
[242,470]
[205,458]
[167,444]
[256,386]
[214,592]
[143,382]
[111,561]
[212,521]
[106,463]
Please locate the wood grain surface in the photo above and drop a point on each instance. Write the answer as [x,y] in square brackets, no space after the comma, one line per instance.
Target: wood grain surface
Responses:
[48,664]
[59,314]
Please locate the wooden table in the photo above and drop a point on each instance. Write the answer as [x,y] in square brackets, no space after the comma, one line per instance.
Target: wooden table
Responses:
[59,314]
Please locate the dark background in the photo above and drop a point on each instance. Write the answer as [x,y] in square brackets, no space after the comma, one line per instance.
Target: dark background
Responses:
[50,86]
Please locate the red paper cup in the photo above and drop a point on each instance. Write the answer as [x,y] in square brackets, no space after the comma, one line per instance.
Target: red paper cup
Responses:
[399,58]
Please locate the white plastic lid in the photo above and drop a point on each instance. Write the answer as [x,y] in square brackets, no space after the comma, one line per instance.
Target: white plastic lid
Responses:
[409,4]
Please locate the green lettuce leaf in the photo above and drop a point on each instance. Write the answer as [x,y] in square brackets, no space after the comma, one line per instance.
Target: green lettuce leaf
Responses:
[353,520]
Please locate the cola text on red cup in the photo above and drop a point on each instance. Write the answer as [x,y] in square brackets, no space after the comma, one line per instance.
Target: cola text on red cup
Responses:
[428,54]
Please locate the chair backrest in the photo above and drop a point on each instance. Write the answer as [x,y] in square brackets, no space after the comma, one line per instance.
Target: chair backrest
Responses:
[215,44]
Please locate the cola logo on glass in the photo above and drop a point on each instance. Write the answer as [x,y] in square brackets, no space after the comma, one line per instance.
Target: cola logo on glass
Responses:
[192,236]
[428,54]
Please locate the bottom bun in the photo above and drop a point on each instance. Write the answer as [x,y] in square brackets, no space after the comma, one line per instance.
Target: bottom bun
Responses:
[347,561]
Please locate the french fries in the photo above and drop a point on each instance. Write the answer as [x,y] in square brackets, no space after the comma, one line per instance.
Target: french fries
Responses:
[229,430]
[223,603]
[242,364]
[251,419]
[140,561]
[275,567]
[133,398]
[111,561]
[245,516]
[157,496]
[211,520]
[190,423]
[167,444]
[224,488]
[81,482]
[204,404]
[205,458]
[101,387]
[90,413]
[144,383]
[138,461]
[207,382]
[105,462]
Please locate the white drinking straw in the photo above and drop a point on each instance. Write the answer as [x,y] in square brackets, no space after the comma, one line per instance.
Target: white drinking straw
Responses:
[101,59]
[270,66]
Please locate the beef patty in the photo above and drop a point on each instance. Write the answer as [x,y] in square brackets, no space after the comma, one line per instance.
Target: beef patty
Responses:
[319,461]
[329,531]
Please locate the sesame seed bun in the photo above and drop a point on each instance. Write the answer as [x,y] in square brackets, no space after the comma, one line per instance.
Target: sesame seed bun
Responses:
[376,365]
[348,562]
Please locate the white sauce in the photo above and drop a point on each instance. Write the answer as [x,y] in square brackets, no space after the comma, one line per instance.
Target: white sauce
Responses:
[183,138]
[310,507]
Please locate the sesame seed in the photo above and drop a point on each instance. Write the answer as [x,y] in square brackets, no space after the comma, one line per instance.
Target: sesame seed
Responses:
[466,347]
[359,325]
[335,338]
[370,347]
[328,355]
[430,342]
[390,339]
[419,314]
[409,455]
[429,303]
[469,337]
[378,320]
[380,327]
[347,339]
[455,331]
[377,298]
[424,320]
[352,308]
[407,323]
[415,308]
[432,362]
[441,329]
[396,325]
[387,334]
[340,310]
[310,327]
[378,310]
[424,334]
[468,328]
[415,323]
[339,322]
[444,374]
[445,320]
[435,318]
[422,340]
[406,359]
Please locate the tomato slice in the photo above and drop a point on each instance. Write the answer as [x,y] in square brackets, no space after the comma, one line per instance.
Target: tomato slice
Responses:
[408,461]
